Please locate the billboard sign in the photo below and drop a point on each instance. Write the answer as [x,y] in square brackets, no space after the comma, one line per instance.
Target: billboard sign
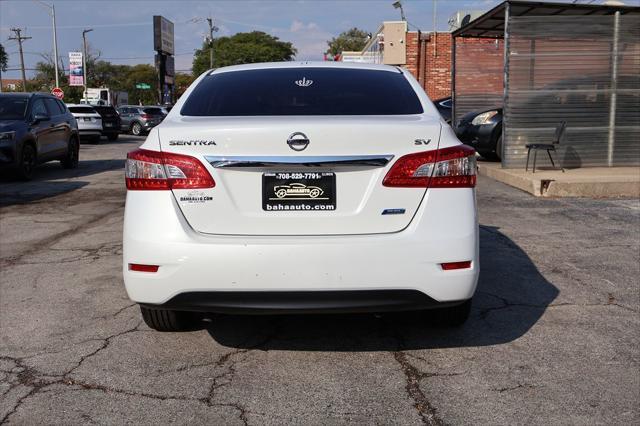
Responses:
[76,72]
[162,35]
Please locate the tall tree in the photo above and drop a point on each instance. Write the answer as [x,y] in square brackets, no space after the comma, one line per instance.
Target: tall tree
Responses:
[243,48]
[350,40]
[141,73]
[4,58]
[183,81]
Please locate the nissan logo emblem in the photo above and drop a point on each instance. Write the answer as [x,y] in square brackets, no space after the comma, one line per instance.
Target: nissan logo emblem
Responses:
[298,141]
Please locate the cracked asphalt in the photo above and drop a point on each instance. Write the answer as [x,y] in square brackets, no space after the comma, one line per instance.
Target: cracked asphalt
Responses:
[553,338]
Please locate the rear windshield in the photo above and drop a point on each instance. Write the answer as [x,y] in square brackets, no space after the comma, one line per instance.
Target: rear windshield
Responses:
[152,111]
[303,91]
[13,107]
[82,110]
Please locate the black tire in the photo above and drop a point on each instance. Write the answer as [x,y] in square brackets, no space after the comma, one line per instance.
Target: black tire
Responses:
[136,129]
[27,162]
[112,137]
[70,161]
[499,148]
[166,320]
[454,316]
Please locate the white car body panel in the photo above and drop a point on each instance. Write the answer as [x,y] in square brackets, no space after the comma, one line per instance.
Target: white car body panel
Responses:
[235,207]
[229,243]
[156,233]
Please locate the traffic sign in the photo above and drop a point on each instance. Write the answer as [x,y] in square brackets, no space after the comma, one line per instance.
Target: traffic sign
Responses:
[142,86]
[58,93]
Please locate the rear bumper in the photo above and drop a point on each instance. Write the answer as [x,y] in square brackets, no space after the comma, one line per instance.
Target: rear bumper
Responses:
[90,132]
[218,269]
[291,302]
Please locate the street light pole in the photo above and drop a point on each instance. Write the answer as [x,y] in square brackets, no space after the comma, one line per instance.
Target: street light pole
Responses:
[55,45]
[84,61]
[52,12]
[398,5]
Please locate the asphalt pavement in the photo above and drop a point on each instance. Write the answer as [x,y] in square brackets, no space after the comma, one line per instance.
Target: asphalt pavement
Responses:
[553,338]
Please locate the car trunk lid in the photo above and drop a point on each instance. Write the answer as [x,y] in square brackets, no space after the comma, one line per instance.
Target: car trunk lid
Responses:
[261,170]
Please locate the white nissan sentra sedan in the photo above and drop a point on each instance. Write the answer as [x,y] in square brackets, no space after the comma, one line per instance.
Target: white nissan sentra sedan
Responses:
[301,187]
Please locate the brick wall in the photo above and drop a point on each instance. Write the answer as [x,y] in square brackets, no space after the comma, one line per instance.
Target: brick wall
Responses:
[429,60]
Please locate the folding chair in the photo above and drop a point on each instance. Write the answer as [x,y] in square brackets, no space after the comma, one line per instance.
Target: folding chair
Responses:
[557,137]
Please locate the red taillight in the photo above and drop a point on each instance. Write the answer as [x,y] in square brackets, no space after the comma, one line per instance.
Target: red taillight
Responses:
[453,167]
[143,268]
[456,265]
[145,116]
[153,170]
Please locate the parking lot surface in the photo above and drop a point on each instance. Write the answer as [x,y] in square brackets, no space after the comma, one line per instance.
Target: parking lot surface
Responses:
[553,338]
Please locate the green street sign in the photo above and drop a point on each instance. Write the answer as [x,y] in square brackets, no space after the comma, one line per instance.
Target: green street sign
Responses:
[142,86]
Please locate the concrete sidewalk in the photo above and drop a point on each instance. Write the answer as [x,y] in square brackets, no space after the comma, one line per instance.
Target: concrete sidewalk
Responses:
[597,182]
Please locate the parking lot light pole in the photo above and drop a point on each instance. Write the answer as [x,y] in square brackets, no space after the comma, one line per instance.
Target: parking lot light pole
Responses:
[84,61]
[52,12]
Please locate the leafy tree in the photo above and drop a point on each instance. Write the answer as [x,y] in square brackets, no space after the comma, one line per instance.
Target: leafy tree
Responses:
[243,48]
[183,81]
[4,58]
[141,73]
[350,40]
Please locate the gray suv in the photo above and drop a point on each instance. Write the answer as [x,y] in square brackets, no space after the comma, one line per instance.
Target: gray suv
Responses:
[36,128]
[139,119]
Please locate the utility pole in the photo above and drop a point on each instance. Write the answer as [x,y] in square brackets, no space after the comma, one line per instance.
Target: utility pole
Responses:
[212,28]
[84,62]
[19,38]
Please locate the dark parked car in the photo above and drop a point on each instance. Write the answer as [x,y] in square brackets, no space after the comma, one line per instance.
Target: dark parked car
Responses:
[581,101]
[444,108]
[483,131]
[139,119]
[36,128]
[111,121]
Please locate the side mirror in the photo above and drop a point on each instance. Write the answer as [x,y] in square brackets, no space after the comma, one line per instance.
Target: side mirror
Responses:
[38,118]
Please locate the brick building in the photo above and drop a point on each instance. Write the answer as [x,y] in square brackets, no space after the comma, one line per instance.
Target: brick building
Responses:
[426,55]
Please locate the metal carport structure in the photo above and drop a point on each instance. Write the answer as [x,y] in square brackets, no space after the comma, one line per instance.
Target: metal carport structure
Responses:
[548,62]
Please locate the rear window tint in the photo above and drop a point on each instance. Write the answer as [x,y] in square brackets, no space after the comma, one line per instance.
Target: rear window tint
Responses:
[152,111]
[303,91]
[82,110]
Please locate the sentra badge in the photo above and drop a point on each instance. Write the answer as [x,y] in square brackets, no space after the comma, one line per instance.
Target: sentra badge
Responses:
[194,142]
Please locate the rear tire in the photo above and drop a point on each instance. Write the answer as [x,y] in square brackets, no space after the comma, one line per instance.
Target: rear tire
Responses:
[136,129]
[27,162]
[454,316]
[70,161]
[167,320]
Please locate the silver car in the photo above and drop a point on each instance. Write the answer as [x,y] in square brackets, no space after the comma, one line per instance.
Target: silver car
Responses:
[89,121]
[139,120]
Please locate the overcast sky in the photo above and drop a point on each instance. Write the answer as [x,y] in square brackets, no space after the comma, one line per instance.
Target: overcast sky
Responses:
[123,30]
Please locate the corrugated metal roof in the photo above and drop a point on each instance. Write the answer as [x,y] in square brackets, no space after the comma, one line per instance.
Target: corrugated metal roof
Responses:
[491,24]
